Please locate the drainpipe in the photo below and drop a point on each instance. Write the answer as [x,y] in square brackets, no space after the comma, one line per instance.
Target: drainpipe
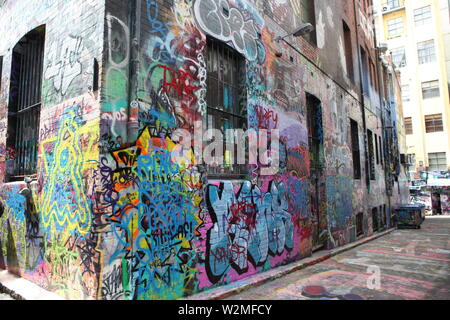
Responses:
[134,23]
[383,124]
[362,104]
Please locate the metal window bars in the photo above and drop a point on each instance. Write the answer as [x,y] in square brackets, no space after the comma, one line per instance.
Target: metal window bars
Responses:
[25,103]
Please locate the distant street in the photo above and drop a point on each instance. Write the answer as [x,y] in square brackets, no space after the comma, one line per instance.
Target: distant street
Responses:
[411,264]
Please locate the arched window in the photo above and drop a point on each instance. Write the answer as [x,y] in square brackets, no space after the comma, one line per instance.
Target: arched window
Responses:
[25,103]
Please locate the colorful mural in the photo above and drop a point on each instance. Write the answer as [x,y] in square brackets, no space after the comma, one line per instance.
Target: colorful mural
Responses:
[111,213]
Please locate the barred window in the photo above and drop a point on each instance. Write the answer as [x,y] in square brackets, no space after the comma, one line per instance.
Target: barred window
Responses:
[422,16]
[25,103]
[430,89]
[437,161]
[371,155]
[426,52]
[395,27]
[408,126]
[433,123]
[399,57]
[227,103]
[355,149]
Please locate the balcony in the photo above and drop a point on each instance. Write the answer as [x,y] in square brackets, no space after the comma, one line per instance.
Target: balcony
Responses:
[392,6]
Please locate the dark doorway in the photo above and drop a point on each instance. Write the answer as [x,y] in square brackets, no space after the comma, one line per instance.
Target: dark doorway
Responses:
[375,221]
[315,135]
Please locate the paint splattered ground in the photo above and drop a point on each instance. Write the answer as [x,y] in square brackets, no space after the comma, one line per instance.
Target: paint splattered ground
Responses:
[413,264]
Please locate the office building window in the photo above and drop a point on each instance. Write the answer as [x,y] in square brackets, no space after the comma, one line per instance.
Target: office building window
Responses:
[227,104]
[430,89]
[437,161]
[408,126]
[24,105]
[422,16]
[426,52]
[399,57]
[433,123]
[392,4]
[395,27]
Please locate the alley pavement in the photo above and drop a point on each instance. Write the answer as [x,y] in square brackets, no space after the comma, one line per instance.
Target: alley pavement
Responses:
[403,265]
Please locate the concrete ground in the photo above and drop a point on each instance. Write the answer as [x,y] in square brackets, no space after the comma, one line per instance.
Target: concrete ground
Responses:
[403,265]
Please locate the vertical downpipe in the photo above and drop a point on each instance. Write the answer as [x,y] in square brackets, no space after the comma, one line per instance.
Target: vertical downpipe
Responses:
[133,106]
[363,106]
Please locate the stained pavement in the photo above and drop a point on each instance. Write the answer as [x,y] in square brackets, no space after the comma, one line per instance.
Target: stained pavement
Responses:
[412,264]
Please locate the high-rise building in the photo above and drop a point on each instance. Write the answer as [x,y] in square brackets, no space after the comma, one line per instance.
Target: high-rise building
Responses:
[417,34]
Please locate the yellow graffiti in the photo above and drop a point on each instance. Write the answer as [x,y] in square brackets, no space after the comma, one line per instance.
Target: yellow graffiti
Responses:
[64,172]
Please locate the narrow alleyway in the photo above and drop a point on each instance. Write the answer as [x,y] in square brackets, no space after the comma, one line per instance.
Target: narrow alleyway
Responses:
[411,264]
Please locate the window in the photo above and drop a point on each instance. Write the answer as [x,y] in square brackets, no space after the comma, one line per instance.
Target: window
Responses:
[365,70]
[422,16]
[426,52]
[348,50]
[371,155]
[408,126]
[227,102]
[406,93]
[395,27]
[399,57]
[433,123]
[437,161]
[392,4]
[355,149]
[308,13]
[24,105]
[381,150]
[377,151]
[373,75]
[430,89]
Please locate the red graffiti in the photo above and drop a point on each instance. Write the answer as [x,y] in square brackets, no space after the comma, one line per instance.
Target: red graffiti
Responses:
[243,212]
[267,119]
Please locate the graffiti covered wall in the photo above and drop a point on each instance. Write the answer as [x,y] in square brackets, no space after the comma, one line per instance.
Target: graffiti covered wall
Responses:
[111,215]
[48,228]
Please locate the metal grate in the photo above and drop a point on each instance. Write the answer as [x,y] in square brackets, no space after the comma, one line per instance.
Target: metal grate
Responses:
[25,102]
[227,102]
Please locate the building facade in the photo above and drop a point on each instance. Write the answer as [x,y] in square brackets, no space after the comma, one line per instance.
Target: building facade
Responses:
[98,96]
[417,34]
